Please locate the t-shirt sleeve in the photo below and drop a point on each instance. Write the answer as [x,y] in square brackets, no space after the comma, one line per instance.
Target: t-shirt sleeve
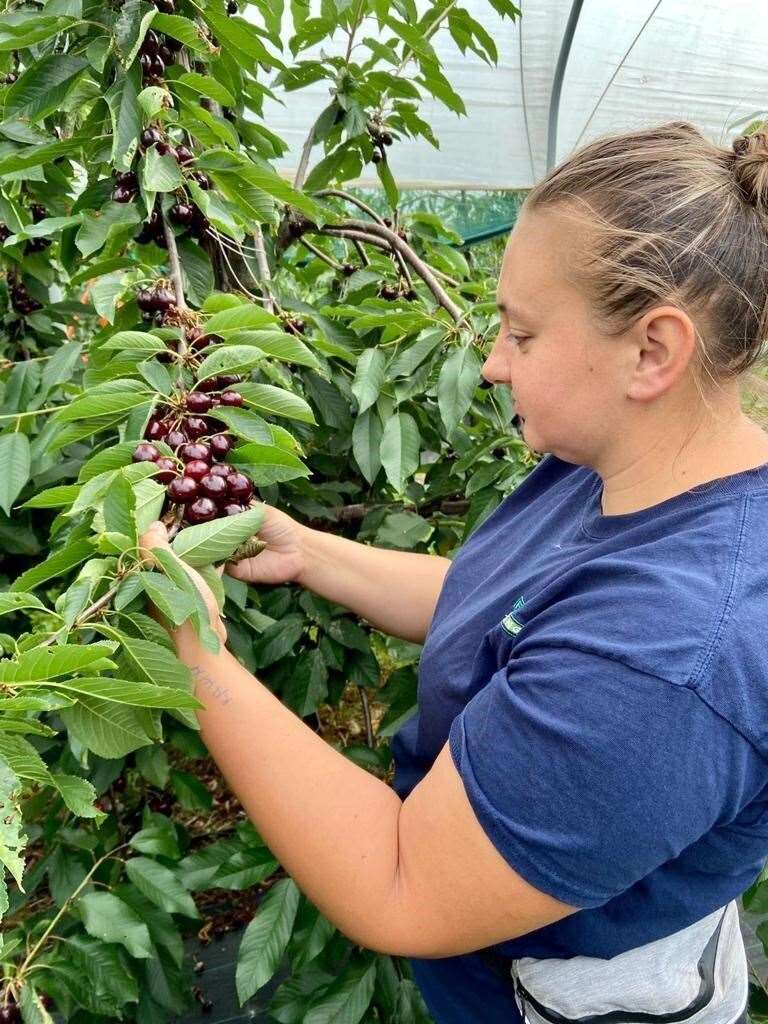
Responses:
[587,774]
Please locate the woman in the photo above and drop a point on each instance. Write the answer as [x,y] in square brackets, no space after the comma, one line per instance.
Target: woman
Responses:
[581,798]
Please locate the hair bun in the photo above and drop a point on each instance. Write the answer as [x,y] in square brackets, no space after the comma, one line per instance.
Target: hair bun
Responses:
[750,168]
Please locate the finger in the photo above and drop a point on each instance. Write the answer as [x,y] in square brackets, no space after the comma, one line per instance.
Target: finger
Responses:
[156,536]
[237,570]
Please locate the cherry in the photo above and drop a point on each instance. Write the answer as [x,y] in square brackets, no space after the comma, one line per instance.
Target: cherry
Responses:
[184,154]
[127,178]
[221,469]
[197,469]
[46,1000]
[376,157]
[228,381]
[145,59]
[214,487]
[196,427]
[38,212]
[156,430]
[165,6]
[196,450]
[151,42]
[233,509]
[164,298]
[202,180]
[145,452]
[145,300]
[386,138]
[10,1014]
[199,402]
[348,269]
[150,136]
[165,53]
[220,444]
[202,511]
[231,398]
[172,44]
[183,490]
[181,213]
[239,487]
[10,78]
[122,194]
[176,438]
[168,467]
[232,7]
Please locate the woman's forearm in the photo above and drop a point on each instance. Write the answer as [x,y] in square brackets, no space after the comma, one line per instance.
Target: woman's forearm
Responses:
[331,824]
[396,591]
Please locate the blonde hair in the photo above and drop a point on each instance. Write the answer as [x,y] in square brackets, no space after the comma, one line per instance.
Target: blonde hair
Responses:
[672,218]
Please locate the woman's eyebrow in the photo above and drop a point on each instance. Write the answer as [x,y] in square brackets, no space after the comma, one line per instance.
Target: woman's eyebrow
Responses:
[513,311]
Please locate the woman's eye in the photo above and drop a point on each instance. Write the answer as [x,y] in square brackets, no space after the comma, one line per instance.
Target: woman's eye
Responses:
[518,337]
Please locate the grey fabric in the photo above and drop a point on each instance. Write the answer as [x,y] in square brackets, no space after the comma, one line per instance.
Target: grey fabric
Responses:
[699,972]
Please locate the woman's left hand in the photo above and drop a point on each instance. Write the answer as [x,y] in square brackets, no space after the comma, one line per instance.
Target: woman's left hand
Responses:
[157,537]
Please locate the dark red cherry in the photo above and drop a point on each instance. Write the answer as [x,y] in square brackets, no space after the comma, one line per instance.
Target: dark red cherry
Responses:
[145,300]
[151,42]
[181,213]
[214,487]
[165,148]
[184,154]
[156,430]
[165,53]
[220,445]
[169,470]
[232,7]
[145,452]
[221,469]
[175,438]
[127,178]
[229,381]
[199,402]
[122,194]
[145,60]
[164,298]
[197,469]
[202,180]
[239,487]
[231,398]
[196,427]
[10,1014]
[158,66]
[233,509]
[202,511]
[165,6]
[183,490]
[150,136]
[196,450]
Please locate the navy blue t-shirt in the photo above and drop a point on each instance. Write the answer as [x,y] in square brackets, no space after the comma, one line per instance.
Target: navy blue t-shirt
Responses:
[603,684]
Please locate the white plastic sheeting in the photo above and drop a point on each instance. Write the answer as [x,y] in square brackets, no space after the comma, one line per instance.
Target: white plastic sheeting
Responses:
[630,64]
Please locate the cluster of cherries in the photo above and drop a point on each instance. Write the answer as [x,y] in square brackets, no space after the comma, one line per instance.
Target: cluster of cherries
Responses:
[155,302]
[21,300]
[197,477]
[392,291]
[155,55]
[10,78]
[380,138]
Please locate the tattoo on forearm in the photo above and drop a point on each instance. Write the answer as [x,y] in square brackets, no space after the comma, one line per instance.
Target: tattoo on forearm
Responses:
[221,693]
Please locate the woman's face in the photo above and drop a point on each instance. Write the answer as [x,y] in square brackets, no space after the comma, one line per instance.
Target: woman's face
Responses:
[565,377]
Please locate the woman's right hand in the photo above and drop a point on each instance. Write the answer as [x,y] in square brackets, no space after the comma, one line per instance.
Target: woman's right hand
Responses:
[282,560]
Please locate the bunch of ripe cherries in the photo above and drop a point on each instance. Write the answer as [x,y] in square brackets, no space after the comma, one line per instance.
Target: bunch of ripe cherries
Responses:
[197,477]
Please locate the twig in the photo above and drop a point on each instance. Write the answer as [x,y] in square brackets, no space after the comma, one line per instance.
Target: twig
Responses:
[350,199]
[178,283]
[367,716]
[320,254]
[263,266]
[223,250]
[361,253]
[298,181]
[363,230]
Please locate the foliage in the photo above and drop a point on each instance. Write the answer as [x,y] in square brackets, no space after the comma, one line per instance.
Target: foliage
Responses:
[134,160]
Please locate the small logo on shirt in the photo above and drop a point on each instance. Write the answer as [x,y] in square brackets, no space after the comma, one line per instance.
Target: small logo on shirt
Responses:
[509,623]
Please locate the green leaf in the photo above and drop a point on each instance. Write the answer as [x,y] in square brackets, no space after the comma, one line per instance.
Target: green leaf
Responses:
[307,686]
[160,173]
[216,541]
[160,885]
[408,359]
[122,100]
[238,318]
[276,401]
[46,663]
[109,729]
[125,691]
[120,509]
[151,100]
[266,464]
[101,405]
[43,86]
[279,345]
[183,29]
[60,367]
[204,85]
[245,424]
[174,603]
[131,26]
[456,385]
[115,220]
[347,998]
[159,837]
[107,918]
[15,602]
[369,376]
[14,468]
[366,443]
[36,156]
[400,449]
[231,359]
[266,938]
[197,270]
[55,565]
[390,188]
[133,341]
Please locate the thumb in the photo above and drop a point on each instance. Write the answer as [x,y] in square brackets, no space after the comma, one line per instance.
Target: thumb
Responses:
[154,537]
